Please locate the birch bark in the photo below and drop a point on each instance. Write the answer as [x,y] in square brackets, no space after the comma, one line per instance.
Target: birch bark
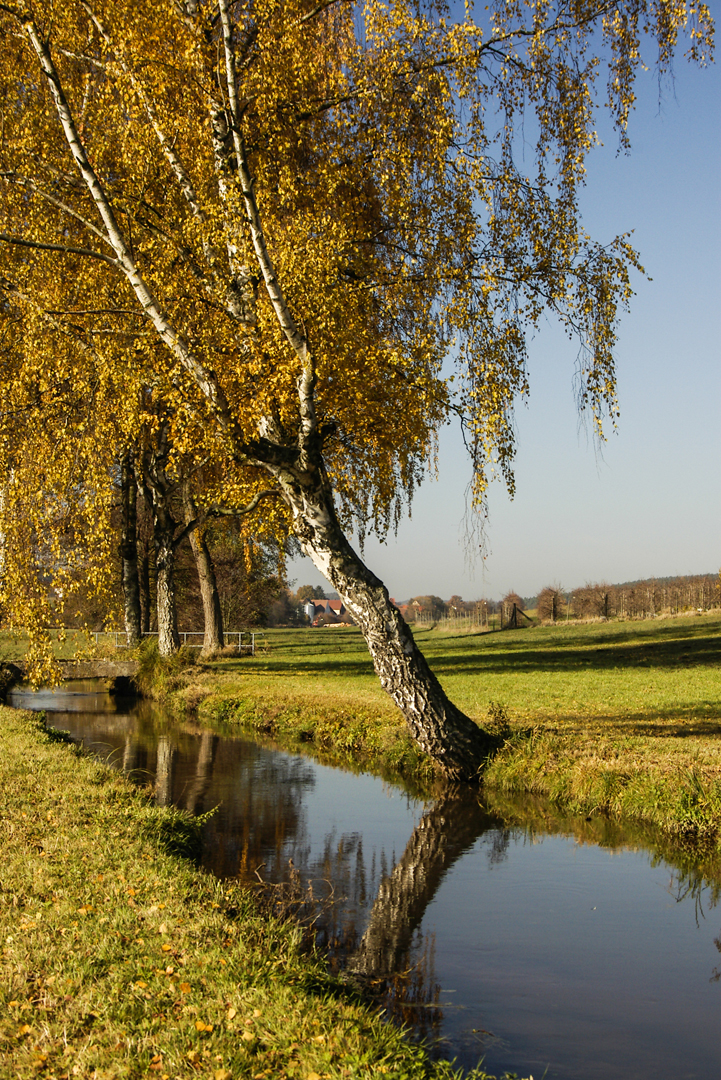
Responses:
[213,638]
[129,552]
[452,739]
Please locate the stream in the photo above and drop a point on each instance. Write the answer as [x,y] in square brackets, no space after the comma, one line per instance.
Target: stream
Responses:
[526,945]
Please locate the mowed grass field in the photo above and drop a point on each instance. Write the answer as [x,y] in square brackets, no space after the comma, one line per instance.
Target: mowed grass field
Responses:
[656,677]
[620,718]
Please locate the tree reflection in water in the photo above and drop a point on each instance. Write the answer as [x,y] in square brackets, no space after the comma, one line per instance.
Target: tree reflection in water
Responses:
[366,916]
[392,953]
[368,919]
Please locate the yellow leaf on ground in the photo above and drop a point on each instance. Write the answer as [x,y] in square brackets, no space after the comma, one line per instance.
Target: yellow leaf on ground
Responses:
[166,947]
[184,988]
[231,1012]
[247,1036]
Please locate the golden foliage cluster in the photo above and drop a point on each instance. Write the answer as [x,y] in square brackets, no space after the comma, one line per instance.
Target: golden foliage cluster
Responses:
[205,202]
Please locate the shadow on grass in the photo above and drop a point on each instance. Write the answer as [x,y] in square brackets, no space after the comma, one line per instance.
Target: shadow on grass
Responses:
[694,724]
[626,646]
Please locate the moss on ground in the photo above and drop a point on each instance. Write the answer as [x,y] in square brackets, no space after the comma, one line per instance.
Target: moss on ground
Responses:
[121,959]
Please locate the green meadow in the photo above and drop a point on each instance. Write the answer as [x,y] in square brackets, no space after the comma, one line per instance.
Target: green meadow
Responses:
[616,718]
[646,677]
[621,718]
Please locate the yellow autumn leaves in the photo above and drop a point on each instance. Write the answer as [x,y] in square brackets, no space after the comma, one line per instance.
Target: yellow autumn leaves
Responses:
[381,144]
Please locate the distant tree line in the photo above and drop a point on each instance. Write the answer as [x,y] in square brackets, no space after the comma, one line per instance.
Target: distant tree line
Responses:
[647,598]
[630,599]
[597,600]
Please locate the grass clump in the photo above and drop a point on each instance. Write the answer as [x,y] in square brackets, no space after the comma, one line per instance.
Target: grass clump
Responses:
[162,675]
[120,959]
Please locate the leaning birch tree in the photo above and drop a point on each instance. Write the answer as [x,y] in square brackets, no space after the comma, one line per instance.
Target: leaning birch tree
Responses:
[310,207]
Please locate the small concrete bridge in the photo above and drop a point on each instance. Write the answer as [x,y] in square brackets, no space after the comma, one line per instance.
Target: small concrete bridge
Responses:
[119,673]
[91,669]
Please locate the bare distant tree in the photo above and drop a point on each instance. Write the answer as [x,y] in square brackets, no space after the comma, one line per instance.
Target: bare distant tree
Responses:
[512,598]
[551,603]
[597,600]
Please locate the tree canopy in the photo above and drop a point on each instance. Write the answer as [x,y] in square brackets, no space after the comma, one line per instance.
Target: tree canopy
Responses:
[280,224]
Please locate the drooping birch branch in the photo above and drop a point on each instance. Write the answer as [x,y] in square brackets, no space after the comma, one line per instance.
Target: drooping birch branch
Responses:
[180,172]
[10,288]
[12,177]
[204,378]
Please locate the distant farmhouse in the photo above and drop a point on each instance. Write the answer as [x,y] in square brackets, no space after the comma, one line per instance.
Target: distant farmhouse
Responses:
[333,608]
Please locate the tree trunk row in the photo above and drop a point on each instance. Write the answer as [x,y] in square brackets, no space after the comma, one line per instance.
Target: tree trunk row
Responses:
[135,568]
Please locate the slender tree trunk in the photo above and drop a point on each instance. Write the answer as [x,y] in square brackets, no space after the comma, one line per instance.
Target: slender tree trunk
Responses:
[129,551]
[164,532]
[454,741]
[213,638]
[144,573]
[156,490]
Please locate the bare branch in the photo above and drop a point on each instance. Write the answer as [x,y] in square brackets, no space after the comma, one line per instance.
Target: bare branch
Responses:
[318,9]
[241,511]
[97,311]
[217,511]
[65,248]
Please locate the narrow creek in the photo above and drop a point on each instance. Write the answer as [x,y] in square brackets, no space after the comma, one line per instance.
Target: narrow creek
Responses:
[538,951]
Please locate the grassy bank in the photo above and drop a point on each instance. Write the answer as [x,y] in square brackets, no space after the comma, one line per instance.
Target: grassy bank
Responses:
[616,718]
[120,959]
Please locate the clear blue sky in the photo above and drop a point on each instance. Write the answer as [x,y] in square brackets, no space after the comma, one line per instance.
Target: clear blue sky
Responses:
[651,504]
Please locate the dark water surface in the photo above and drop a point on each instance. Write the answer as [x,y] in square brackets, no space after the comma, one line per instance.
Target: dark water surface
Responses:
[537,952]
